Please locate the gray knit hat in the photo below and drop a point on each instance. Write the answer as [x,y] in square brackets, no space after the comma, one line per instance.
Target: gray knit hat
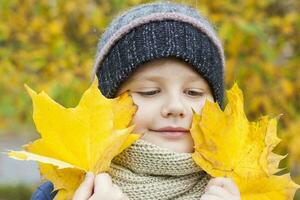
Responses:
[159,30]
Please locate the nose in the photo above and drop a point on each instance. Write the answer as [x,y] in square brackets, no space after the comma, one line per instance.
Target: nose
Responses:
[173,107]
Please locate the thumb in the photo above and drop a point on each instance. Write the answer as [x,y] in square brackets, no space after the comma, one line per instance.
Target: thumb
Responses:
[227,183]
[85,190]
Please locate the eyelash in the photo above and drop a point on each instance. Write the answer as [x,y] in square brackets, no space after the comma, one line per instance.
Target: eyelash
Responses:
[153,92]
[196,93]
[149,93]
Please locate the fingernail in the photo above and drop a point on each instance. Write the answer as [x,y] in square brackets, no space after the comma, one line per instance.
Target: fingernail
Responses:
[88,175]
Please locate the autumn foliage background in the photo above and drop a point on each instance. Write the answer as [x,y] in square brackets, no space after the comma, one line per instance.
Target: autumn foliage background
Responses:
[51,44]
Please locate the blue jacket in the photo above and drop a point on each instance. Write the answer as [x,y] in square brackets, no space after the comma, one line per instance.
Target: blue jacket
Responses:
[44,192]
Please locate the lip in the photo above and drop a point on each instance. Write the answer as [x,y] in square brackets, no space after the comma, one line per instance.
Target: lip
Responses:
[172,129]
[172,132]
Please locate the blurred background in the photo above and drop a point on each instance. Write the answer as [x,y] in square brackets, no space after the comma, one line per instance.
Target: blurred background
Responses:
[50,45]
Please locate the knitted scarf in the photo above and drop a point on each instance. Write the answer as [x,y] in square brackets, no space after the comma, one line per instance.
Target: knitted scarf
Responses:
[146,171]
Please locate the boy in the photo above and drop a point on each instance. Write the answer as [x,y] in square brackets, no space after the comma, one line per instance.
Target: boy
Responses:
[168,57]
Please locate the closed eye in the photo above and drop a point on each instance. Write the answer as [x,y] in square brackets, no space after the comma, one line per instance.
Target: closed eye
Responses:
[193,93]
[149,93]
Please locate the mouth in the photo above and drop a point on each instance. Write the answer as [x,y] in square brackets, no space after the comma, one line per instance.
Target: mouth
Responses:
[172,132]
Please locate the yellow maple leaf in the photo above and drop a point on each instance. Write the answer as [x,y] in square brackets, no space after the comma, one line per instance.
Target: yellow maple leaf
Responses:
[77,140]
[65,180]
[228,145]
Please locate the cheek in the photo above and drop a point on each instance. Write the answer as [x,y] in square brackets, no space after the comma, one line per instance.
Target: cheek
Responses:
[143,116]
[198,106]
[140,121]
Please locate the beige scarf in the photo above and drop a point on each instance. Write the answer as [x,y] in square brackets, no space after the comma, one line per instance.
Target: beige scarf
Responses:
[145,171]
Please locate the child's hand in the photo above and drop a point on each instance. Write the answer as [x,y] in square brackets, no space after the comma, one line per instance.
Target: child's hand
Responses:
[221,189]
[98,187]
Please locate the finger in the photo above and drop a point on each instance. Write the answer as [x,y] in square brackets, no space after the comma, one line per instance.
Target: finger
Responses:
[103,183]
[125,197]
[217,191]
[209,197]
[226,183]
[118,194]
[85,190]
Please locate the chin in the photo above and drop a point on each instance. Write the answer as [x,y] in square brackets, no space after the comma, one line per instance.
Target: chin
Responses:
[180,149]
[182,145]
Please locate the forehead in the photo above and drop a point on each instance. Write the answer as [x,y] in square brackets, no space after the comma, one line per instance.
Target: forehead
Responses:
[165,68]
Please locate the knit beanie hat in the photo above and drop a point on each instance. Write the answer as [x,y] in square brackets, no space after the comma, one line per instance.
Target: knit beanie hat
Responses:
[159,30]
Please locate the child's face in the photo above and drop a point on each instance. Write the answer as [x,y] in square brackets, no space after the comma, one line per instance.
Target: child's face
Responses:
[165,91]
